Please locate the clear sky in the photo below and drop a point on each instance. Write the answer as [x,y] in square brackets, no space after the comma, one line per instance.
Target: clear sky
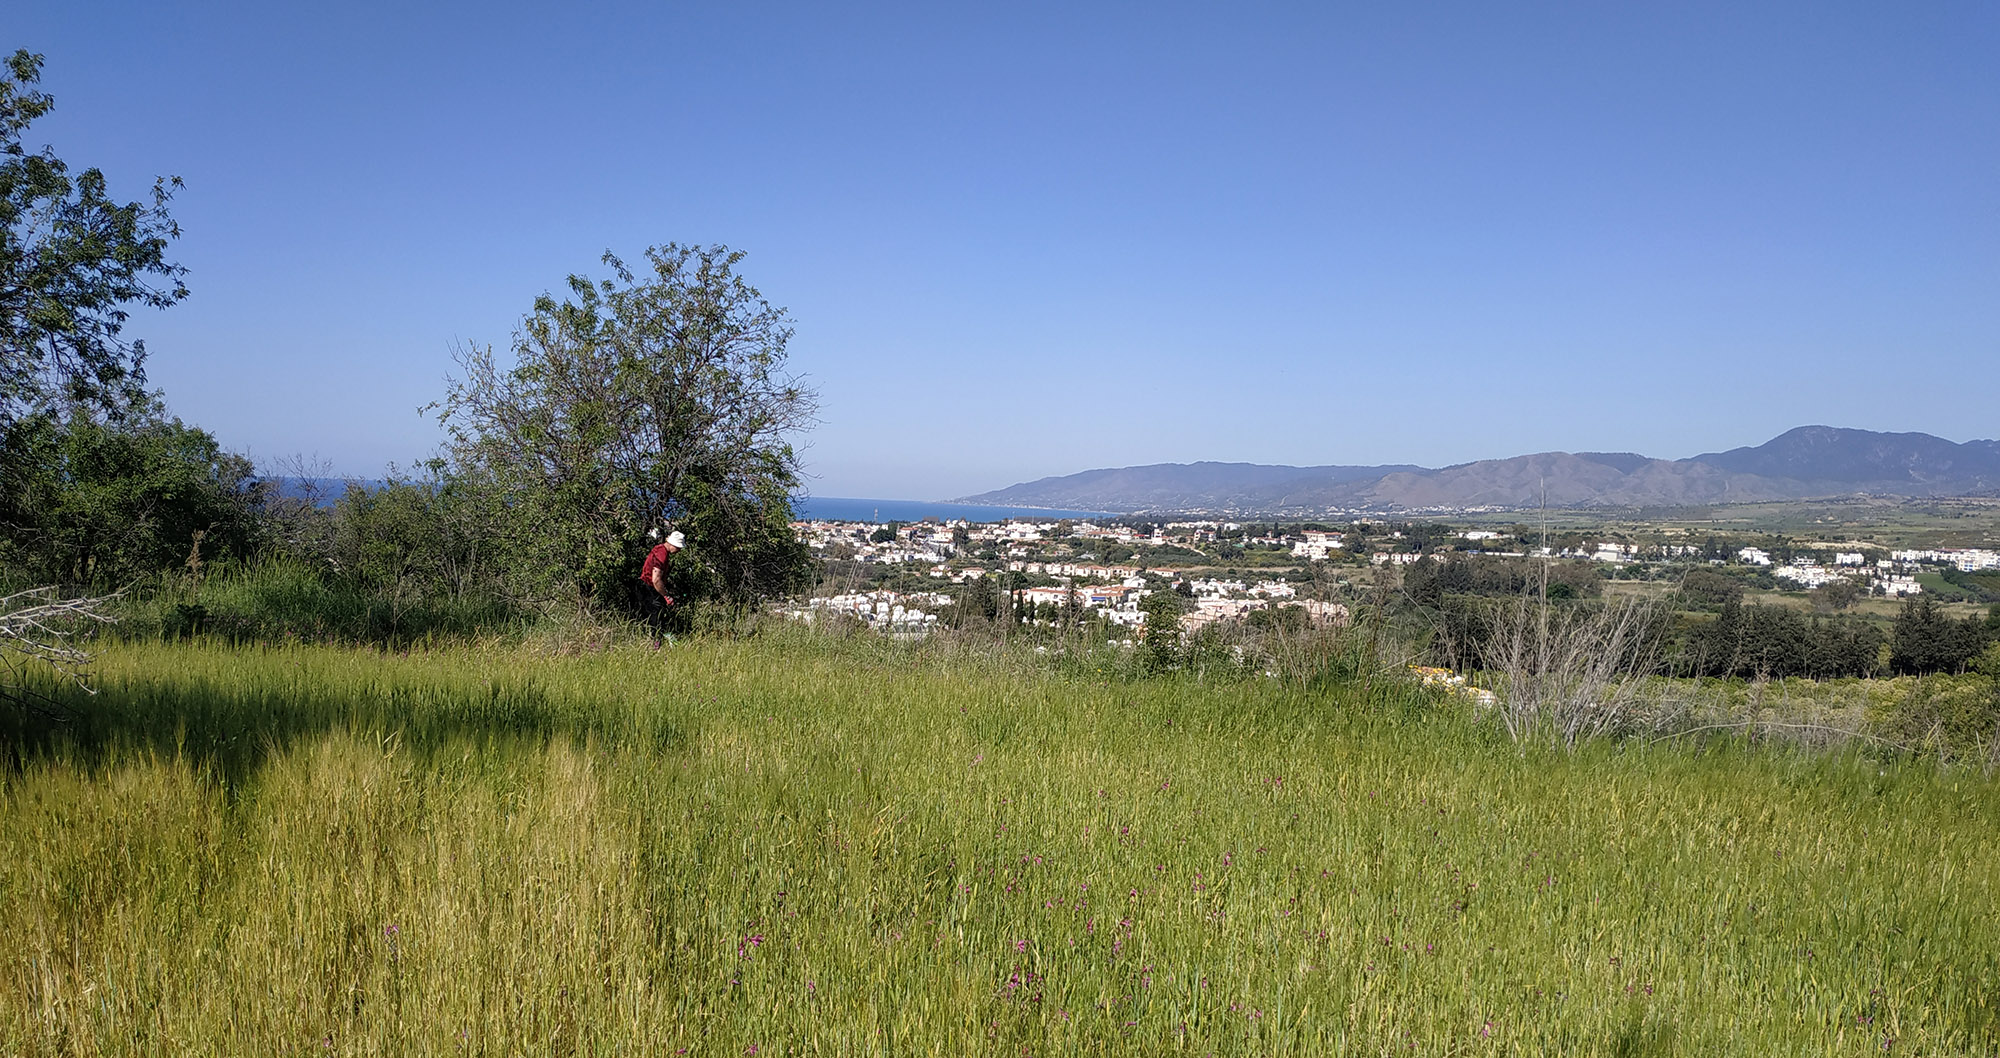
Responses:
[1022,239]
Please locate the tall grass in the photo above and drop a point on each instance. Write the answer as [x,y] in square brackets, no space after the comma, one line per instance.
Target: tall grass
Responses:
[784,845]
[282,600]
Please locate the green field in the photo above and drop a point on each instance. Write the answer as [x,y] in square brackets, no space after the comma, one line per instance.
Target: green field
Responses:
[797,846]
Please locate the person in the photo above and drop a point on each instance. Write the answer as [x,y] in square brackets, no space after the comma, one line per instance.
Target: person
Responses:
[653,597]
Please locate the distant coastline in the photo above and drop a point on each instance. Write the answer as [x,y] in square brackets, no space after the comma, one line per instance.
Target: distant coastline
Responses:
[323,492]
[1803,463]
[852,509]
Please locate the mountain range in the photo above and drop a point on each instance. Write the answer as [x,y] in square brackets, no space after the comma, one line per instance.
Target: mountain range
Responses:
[1809,462]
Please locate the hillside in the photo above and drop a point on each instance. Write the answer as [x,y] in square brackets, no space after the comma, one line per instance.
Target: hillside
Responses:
[1164,486]
[1810,462]
[779,845]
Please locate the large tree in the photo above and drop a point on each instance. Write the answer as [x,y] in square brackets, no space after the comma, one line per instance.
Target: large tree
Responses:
[657,396]
[73,260]
[1925,639]
[97,484]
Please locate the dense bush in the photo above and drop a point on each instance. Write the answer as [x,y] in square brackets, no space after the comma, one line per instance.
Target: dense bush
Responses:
[95,505]
[408,541]
[1956,720]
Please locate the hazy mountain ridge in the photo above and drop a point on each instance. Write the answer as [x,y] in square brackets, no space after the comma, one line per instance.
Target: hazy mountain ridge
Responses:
[1809,462]
[1826,453]
[1170,486]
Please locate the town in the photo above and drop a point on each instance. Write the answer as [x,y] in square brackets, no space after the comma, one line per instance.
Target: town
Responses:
[904,578]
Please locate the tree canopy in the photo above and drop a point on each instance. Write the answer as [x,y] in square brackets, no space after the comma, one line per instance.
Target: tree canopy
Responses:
[97,483]
[85,503]
[655,396]
[72,260]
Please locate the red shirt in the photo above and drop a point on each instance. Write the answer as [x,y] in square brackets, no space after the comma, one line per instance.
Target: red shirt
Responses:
[655,559]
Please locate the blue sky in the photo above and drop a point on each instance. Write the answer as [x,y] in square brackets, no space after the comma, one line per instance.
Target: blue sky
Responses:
[1020,240]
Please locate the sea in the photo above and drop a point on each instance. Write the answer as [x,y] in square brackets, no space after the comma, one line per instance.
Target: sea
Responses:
[323,491]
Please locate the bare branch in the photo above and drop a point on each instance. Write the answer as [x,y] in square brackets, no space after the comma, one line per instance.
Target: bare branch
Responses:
[38,627]
[1569,675]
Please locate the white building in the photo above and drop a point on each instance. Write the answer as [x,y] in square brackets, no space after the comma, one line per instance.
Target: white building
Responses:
[1969,559]
[1317,545]
[1808,574]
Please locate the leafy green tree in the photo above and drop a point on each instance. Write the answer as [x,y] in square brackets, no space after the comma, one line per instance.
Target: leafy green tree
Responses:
[1427,582]
[1835,595]
[97,504]
[1926,640]
[72,261]
[633,400]
[1707,589]
[977,601]
[1746,641]
[1716,647]
[1292,620]
[410,541]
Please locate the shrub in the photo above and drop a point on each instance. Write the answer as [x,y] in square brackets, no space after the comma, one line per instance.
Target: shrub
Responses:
[1570,673]
[1956,719]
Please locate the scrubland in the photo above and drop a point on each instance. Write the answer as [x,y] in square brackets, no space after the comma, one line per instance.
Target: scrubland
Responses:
[788,845]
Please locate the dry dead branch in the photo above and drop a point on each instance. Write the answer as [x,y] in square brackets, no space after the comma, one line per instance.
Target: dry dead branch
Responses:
[1570,674]
[38,627]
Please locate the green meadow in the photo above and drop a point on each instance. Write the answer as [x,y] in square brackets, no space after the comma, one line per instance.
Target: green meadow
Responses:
[788,845]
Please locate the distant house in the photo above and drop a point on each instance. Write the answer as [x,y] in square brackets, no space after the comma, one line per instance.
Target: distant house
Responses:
[1045,596]
[1317,545]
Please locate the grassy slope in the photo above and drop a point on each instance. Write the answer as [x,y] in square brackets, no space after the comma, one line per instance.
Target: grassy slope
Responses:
[807,848]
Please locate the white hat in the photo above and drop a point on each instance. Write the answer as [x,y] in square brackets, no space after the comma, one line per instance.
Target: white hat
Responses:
[675,540]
